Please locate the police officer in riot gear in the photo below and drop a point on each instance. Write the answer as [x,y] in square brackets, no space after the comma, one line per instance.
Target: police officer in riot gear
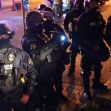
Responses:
[15,87]
[51,27]
[71,28]
[34,29]
[46,54]
[49,22]
[91,42]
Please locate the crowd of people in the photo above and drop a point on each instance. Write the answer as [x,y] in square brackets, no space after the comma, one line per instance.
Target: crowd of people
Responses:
[31,77]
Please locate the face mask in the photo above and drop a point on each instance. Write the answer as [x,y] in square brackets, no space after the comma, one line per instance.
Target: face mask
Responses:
[4,43]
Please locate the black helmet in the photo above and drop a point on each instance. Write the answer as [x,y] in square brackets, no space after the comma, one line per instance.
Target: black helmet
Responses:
[5,29]
[48,13]
[41,7]
[33,19]
[50,10]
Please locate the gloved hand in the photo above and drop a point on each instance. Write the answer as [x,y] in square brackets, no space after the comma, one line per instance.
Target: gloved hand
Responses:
[25,98]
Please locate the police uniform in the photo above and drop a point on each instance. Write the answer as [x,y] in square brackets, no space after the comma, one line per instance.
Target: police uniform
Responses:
[46,58]
[49,29]
[14,64]
[90,31]
[46,54]
[71,28]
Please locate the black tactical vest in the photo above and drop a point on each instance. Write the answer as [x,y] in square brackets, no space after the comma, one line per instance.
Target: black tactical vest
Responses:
[8,72]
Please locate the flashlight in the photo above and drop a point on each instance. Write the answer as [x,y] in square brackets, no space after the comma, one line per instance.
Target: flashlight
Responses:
[62,38]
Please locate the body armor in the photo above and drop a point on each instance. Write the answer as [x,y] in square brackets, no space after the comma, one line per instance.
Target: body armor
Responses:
[14,66]
[11,68]
[45,55]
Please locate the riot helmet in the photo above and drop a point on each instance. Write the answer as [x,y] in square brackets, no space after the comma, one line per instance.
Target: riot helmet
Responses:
[41,7]
[48,14]
[34,21]
[6,33]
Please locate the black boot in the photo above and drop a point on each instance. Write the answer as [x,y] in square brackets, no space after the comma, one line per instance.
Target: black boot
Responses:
[72,63]
[86,85]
